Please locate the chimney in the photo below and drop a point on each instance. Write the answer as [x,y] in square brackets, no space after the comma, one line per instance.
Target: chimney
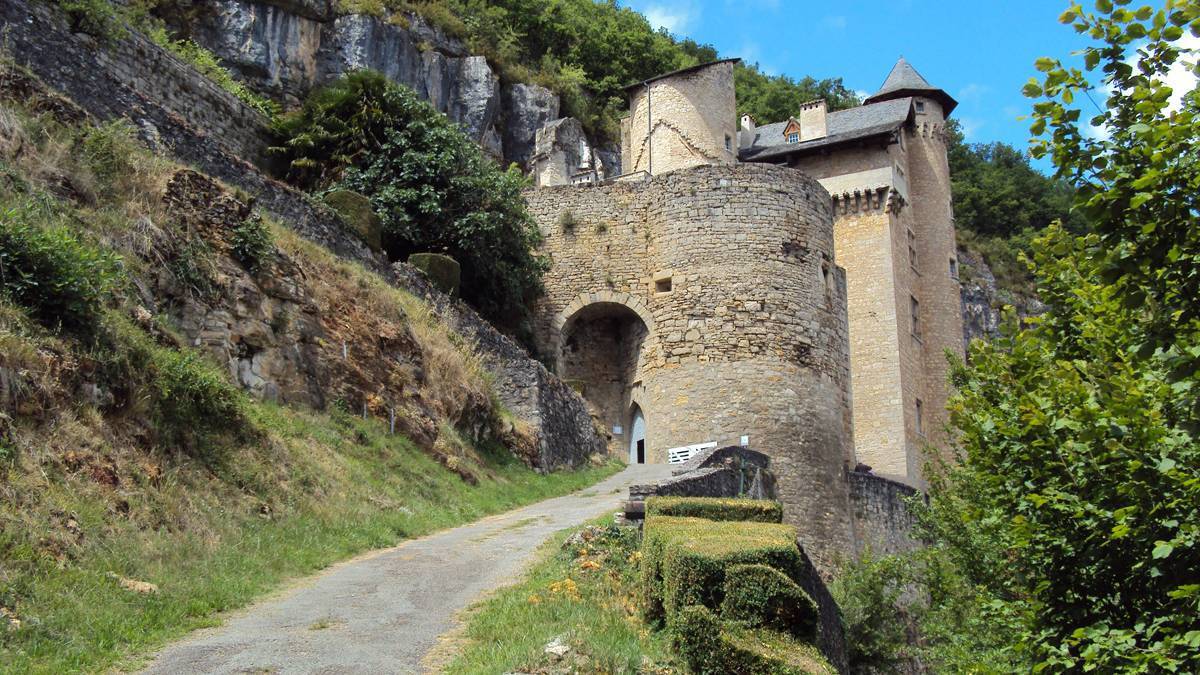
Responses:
[746,134]
[812,120]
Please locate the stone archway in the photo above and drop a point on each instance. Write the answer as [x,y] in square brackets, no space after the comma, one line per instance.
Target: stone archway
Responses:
[600,353]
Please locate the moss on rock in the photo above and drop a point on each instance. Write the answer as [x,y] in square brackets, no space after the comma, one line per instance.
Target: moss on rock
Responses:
[442,270]
[358,214]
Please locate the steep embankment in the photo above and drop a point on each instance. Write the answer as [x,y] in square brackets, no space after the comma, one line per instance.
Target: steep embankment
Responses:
[195,402]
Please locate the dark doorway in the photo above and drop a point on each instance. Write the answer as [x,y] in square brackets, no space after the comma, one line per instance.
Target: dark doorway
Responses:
[641,451]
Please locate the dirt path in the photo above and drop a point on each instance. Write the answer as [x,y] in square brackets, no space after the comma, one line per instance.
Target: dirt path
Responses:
[382,612]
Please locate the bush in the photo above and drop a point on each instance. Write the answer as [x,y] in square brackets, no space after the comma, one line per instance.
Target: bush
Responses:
[756,510]
[98,18]
[760,596]
[252,243]
[431,185]
[684,559]
[47,269]
[710,647]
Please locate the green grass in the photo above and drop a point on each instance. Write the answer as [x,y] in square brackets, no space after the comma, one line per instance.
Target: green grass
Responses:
[321,488]
[585,595]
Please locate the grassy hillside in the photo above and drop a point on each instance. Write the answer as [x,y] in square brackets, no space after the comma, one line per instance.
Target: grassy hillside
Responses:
[141,491]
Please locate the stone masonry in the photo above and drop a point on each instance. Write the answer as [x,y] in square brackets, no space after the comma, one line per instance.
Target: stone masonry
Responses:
[709,299]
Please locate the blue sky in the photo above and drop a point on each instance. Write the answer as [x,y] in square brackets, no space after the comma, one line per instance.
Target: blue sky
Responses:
[980,52]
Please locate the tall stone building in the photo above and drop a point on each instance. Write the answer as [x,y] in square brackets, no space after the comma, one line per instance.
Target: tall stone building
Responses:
[790,286]
[884,166]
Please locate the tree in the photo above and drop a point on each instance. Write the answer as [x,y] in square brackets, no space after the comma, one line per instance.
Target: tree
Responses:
[1071,516]
[431,185]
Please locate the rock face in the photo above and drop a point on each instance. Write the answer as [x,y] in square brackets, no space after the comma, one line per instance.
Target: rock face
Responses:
[982,299]
[563,155]
[284,48]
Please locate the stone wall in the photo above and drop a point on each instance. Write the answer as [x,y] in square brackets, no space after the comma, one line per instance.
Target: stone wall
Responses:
[682,120]
[731,269]
[882,519]
[566,434]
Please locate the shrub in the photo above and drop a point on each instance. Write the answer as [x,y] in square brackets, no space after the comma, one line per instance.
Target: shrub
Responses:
[430,184]
[194,401]
[98,18]
[757,510]
[47,269]
[868,591]
[252,243]
[760,596]
[684,559]
[710,647]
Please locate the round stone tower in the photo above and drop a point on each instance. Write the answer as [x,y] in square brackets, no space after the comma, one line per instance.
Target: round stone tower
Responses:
[681,119]
[705,306]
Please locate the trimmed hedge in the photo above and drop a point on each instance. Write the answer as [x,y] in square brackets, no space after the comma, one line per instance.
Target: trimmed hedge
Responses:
[756,510]
[684,559]
[761,596]
[710,647]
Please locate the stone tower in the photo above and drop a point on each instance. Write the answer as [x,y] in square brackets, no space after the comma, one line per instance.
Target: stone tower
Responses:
[884,165]
[703,306]
[681,119]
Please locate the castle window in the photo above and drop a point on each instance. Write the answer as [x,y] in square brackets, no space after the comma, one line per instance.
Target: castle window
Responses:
[662,282]
[794,137]
[920,106]
[912,250]
[915,308]
[728,142]
[953,268]
[920,418]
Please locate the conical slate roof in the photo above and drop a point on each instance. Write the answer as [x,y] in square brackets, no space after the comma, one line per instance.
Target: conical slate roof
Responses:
[904,81]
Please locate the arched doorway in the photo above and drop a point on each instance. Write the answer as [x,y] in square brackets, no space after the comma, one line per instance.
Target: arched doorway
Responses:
[637,436]
[601,357]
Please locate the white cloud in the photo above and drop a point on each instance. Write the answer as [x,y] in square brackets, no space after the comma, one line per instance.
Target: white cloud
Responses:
[675,16]
[970,127]
[834,22]
[973,93]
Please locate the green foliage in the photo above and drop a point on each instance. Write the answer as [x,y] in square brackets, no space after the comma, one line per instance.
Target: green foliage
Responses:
[252,243]
[98,18]
[757,510]
[1069,527]
[49,270]
[432,186]
[775,98]
[206,63]
[711,647]
[761,596]
[684,559]
[192,264]
[868,591]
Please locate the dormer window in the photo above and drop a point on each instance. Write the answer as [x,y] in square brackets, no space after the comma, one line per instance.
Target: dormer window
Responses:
[793,137]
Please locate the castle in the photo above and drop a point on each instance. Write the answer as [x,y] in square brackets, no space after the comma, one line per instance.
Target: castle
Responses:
[791,286]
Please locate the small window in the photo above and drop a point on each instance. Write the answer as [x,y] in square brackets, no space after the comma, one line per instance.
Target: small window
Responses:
[912,250]
[920,418]
[920,106]
[794,137]
[916,317]
[728,142]
[662,285]
[953,268]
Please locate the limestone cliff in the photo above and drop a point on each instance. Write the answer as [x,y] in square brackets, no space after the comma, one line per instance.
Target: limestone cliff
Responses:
[982,298]
[283,48]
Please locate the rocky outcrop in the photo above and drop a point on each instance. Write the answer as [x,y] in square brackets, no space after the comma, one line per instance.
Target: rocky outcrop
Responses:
[982,299]
[284,48]
[527,108]
[563,155]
